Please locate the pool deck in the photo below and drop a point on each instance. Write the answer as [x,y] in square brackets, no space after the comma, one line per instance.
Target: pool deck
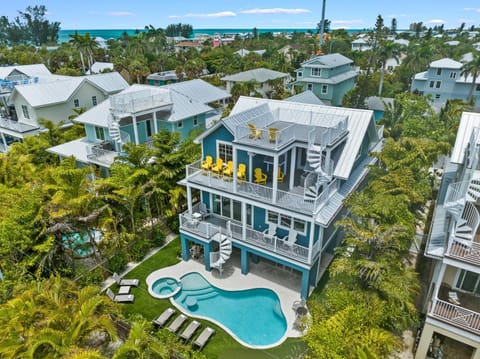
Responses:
[283,283]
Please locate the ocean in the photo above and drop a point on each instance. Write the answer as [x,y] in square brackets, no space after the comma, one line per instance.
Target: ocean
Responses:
[64,35]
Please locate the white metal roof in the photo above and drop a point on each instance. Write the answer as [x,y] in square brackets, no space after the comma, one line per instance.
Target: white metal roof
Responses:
[99,66]
[258,75]
[77,148]
[29,70]
[468,122]
[327,61]
[331,80]
[359,122]
[60,89]
[199,90]
[307,97]
[97,115]
[446,63]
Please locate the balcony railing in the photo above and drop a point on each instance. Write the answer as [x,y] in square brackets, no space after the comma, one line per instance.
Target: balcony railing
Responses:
[10,124]
[456,315]
[261,193]
[463,250]
[456,193]
[208,230]
[101,155]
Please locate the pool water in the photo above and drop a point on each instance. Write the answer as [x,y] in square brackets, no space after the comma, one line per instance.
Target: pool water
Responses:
[165,287]
[254,316]
[80,244]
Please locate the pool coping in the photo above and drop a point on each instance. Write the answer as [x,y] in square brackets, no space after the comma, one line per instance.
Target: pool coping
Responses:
[159,296]
[249,281]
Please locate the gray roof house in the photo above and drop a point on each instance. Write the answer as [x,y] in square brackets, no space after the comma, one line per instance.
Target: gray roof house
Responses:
[329,77]
[54,99]
[261,76]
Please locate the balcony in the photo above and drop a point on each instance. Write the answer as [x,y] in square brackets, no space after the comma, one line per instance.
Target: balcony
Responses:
[288,198]
[100,155]
[214,224]
[465,251]
[13,126]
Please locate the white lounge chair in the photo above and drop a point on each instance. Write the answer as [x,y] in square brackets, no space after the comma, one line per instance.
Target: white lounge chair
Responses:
[177,323]
[271,231]
[121,298]
[202,339]
[189,330]
[125,282]
[164,317]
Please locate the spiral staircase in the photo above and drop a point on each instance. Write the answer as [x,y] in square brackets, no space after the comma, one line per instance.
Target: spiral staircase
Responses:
[321,169]
[220,257]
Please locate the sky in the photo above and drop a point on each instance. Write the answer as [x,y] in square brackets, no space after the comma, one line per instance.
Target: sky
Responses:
[246,14]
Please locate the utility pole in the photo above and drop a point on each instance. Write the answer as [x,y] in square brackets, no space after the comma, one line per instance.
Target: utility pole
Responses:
[322,25]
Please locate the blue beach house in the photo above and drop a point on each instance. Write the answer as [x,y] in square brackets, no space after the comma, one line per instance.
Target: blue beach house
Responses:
[135,115]
[329,77]
[271,183]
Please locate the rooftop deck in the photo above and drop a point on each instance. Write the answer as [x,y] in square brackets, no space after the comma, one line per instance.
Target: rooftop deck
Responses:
[13,126]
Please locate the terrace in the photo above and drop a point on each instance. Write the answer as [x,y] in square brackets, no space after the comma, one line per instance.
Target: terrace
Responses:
[211,226]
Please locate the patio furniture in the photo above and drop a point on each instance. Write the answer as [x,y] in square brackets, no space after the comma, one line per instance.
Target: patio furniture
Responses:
[124,289]
[164,317]
[207,163]
[204,211]
[242,172]
[177,323]
[189,330]
[453,298]
[202,339]
[228,171]
[271,231]
[291,239]
[273,134]
[120,298]
[280,175]
[255,133]
[121,282]
[218,167]
[260,177]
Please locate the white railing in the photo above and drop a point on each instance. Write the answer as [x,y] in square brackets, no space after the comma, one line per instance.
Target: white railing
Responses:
[455,192]
[466,251]
[132,102]
[456,315]
[203,228]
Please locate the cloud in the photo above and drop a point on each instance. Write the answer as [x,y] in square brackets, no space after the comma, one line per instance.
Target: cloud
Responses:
[471,9]
[120,13]
[276,10]
[436,21]
[341,23]
[211,15]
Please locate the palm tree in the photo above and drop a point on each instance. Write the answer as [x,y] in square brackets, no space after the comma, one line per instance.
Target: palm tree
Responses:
[85,46]
[387,50]
[472,68]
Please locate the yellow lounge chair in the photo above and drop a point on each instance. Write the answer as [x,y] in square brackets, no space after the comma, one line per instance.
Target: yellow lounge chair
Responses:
[273,134]
[228,171]
[260,177]
[218,167]
[207,163]
[242,172]
[280,175]
[255,133]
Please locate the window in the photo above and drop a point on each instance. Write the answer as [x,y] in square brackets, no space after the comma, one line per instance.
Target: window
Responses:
[148,125]
[324,89]
[477,88]
[453,75]
[432,83]
[468,281]
[179,124]
[25,111]
[99,133]
[224,151]
[300,74]
[316,72]
[76,103]
[227,207]
[195,120]
[94,100]
[437,96]
[438,84]
[309,87]
[286,222]
[439,72]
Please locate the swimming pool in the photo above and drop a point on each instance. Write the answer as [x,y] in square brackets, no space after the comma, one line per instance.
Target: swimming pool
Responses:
[254,316]
[80,244]
[165,287]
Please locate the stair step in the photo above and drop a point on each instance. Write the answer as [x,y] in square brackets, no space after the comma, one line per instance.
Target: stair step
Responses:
[463,235]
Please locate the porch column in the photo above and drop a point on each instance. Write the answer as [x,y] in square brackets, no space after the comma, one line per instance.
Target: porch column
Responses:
[135,129]
[4,141]
[274,179]
[438,282]
[291,175]
[189,199]
[206,252]
[305,283]
[244,260]
[476,353]
[185,251]
[155,125]
[424,342]
[244,221]
[310,241]
[235,160]
[250,164]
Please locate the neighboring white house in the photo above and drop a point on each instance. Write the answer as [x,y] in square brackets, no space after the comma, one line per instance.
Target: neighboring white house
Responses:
[99,67]
[262,78]
[245,52]
[360,44]
[54,100]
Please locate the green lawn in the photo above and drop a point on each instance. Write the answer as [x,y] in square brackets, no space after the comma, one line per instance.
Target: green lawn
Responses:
[221,345]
